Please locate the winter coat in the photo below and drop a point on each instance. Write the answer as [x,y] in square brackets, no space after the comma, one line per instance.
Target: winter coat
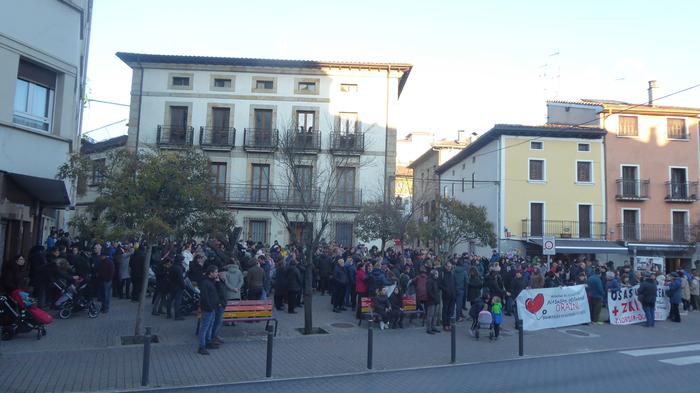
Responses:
[208,296]
[537,281]
[460,273]
[136,262]
[14,277]
[293,278]
[360,281]
[255,277]
[340,276]
[162,278]
[695,287]
[494,284]
[517,286]
[646,294]
[380,279]
[595,287]
[176,277]
[674,291]
[421,284]
[233,281]
[124,266]
[474,286]
[685,289]
[433,290]
[447,285]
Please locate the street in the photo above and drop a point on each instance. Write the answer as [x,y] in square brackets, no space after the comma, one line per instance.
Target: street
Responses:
[672,369]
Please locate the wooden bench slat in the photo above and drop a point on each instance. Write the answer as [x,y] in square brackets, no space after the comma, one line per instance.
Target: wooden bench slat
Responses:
[249,302]
[248,308]
[245,314]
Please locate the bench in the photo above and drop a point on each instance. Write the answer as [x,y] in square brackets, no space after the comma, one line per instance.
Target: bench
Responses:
[246,311]
[408,303]
[366,310]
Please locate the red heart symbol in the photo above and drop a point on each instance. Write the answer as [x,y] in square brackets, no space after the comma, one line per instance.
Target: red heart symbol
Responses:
[534,305]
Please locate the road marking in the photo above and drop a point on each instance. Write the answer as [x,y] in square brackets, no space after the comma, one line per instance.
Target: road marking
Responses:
[661,351]
[684,361]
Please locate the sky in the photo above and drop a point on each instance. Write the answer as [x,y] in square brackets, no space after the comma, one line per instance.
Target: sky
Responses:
[476,63]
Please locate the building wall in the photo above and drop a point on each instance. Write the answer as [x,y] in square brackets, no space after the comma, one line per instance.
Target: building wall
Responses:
[560,192]
[655,153]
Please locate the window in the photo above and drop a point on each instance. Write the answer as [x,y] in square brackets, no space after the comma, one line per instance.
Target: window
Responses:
[306,87]
[343,233]
[681,229]
[584,171]
[630,182]
[348,88]
[678,184]
[345,194]
[182,81]
[630,224]
[536,170]
[264,84]
[260,187]
[223,83]
[257,231]
[584,147]
[676,129]
[536,145]
[628,126]
[303,184]
[218,173]
[347,122]
[584,221]
[34,96]
[536,218]
[306,121]
[98,167]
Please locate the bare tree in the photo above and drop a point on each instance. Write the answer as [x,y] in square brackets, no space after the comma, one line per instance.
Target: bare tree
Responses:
[313,194]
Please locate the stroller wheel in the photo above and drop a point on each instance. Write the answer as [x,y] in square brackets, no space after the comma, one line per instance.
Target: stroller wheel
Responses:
[93,310]
[65,313]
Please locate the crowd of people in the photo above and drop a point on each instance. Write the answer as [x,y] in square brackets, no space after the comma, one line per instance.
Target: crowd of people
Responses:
[209,274]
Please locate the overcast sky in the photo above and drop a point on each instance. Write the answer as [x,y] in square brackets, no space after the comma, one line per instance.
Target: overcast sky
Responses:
[476,63]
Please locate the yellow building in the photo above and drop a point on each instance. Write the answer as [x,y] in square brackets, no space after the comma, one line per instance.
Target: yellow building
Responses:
[535,181]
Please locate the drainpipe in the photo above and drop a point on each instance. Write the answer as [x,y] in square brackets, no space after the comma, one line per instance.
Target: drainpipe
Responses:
[138,117]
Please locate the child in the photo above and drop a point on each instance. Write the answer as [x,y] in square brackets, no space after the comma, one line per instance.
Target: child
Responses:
[476,307]
[497,313]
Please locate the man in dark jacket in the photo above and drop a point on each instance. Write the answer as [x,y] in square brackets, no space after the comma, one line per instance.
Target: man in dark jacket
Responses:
[449,293]
[105,275]
[675,295]
[209,302]
[325,271]
[293,281]
[176,281]
[433,291]
[460,274]
[136,262]
[340,282]
[516,286]
[255,279]
[647,296]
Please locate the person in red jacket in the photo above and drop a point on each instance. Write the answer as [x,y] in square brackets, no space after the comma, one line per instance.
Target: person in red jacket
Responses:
[360,286]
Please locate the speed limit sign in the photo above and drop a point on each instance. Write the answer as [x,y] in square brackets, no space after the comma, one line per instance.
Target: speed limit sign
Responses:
[549,245]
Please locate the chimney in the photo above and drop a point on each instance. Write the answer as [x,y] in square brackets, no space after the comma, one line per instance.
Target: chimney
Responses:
[652,86]
[460,135]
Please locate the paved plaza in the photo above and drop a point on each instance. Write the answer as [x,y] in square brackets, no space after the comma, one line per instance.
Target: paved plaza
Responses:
[82,354]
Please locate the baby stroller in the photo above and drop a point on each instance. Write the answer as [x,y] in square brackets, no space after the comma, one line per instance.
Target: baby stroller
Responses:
[19,315]
[190,298]
[484,322]
[74,298]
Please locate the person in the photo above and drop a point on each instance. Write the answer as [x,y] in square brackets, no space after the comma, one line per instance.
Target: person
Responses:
[476,306]
[474,286]
[136,265]
[695,291]
[220,308]
[396,309]
[176,284]
[517,286]
[162,271]
[460,274]
[233,280]
[208,302]
[339,282]
[360,287]
[124,278]
[105,274]
[433,291]
[675,295]
[595,295]
[280,284]
[255,279]
[38,274]
[685,290]
[294,283]
[497,313]
[421,285]
[449,293]
[381,307]
[187,255]
[15,275]
[646,294]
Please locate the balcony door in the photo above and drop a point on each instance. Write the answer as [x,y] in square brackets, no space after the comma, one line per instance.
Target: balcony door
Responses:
[680,227]
[260,185]
[178,124]
[630,184]
[630,224]
[220,118]
[218,173]
[679,183]
[584,221]
[346,186]
[536,218]
[262,135]
[306,124]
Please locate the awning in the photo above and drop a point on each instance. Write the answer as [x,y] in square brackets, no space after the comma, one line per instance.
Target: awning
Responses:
[576,246]
[50,192]
[677,247]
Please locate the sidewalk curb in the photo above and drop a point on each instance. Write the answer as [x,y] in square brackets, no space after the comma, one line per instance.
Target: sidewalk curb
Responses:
[358,373]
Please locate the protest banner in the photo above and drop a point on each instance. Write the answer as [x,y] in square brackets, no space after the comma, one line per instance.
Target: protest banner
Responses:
[625,309]
[553,307]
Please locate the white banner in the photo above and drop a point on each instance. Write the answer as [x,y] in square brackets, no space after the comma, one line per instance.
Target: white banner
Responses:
[553,307]
[625,309]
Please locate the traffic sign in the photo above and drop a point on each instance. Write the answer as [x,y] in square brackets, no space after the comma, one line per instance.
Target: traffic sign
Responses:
[549,245]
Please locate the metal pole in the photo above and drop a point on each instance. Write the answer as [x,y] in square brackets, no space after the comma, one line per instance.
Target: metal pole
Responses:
[369,344]
[268,365]
[520,337]
[146,357]
[453,358]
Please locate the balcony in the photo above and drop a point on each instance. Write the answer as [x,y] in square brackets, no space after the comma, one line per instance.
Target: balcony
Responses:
[174,136]
[632,190]
[268,196]
[564,229]
[343,143]
[303,141]
[347,199]
[681,191]
[657,233]
[217,138]
[260,139]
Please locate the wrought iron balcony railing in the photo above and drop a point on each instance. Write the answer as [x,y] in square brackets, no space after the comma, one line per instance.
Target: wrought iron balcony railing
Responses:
[174,136]
[632,190]
[217,137]
[260,139]
[303,140]
[681,191]
[564,229]
[271,196]
[661,233]
[343,143]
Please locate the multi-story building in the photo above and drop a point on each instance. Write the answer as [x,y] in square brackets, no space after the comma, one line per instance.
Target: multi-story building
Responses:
[651,156]
[43,58]
[408,149]
[340,115]
[535,181]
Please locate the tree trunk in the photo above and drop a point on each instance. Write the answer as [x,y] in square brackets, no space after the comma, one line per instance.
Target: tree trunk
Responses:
[144,289]
[308,293]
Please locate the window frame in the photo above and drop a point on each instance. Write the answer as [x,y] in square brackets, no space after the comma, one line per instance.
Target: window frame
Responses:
[619,126]
[173,86]
[588,147]
[49,105]
[214,77]
[308,81]
[590,172]
[685,135]
[266,231]
[541,144]
[348,88]
[256,79]
[544,170]
[352,231]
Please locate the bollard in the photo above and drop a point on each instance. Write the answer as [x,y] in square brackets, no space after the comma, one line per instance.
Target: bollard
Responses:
[453,359]
[520,337]
[146,357]
[268,364]
[369,345]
